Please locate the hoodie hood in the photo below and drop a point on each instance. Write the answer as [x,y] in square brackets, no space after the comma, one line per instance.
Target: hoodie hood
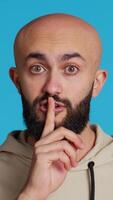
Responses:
[16,144]
[100,154]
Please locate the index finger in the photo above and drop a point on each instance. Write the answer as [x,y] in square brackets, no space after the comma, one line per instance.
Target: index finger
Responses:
[50,118]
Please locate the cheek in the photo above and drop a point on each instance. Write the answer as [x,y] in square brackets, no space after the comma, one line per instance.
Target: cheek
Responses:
[78,90]
[31,88]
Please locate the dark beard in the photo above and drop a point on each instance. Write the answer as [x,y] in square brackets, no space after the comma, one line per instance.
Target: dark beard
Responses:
[75,120]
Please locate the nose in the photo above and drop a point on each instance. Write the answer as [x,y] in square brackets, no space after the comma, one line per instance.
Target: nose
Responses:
[53,85]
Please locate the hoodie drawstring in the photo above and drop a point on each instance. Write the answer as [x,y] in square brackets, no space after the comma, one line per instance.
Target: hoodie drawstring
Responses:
[91,170]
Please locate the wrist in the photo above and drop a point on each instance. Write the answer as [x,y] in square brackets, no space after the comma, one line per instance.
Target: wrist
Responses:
[30,194]
[25,196]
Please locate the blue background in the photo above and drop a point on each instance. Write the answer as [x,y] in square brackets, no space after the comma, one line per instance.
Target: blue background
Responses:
[14,14]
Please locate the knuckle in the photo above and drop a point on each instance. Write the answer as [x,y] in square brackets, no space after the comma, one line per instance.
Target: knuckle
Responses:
[68,147]
[61,154]
[37,150]
[61,129]
[64,144]
[36,144]
[67,160]
[61,132]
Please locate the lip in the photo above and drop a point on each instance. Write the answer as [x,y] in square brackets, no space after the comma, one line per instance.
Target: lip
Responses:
[59,106]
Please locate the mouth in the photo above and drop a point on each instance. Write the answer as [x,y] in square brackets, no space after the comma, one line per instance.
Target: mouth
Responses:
[59,106]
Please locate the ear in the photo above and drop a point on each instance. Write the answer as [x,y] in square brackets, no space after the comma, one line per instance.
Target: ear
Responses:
[14,77]
[100,79]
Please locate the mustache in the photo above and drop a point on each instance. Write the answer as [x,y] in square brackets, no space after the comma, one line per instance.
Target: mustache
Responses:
[65,101]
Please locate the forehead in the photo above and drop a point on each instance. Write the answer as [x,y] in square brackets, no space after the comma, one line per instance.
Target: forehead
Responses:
[53,40]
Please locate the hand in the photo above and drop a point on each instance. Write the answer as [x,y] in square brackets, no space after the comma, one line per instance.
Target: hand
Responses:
[54,155]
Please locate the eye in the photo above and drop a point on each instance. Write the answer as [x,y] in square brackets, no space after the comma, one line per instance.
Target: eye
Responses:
[71,69]
[37,69]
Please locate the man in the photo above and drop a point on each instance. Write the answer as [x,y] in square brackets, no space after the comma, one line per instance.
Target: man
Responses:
[60,155]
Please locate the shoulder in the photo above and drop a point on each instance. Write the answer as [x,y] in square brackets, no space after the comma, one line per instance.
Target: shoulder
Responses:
[13,175]
[14,166]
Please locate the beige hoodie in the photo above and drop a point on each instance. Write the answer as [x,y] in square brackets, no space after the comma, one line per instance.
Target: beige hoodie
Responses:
[82,183]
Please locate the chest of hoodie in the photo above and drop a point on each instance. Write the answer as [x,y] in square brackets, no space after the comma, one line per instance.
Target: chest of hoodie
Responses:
[77,185]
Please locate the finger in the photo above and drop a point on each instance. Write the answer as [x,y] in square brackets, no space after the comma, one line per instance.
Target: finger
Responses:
[59,146]
[55,158]
[61,134]
[50,118]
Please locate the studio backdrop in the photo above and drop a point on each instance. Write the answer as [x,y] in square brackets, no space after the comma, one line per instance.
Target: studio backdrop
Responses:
[13,15]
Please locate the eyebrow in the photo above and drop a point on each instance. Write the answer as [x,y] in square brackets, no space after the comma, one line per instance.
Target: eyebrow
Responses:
[65,57]
[72,55]
[36,55]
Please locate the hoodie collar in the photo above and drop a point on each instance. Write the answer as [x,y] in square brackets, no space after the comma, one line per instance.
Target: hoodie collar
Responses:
[103,144]
[21,148]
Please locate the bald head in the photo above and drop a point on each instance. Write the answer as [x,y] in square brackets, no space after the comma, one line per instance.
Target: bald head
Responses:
[59,29]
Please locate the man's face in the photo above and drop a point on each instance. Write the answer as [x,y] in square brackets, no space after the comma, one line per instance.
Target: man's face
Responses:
[59,63]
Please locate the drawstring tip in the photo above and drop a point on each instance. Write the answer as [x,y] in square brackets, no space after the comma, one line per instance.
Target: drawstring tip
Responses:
[91,170]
